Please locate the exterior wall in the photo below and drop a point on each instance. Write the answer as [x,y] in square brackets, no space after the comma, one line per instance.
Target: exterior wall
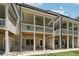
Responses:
[78,41]
[1,41]
[11,42]
[38,38]
[49,43]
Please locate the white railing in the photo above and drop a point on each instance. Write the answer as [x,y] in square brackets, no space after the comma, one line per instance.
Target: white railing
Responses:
[70,32]
[75,32]
[64,31]
[29,27]
[48,29]
[57,31]
[2,22]
[39,28]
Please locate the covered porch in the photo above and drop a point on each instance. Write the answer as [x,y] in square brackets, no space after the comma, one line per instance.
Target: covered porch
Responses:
[3,38]
[28,41]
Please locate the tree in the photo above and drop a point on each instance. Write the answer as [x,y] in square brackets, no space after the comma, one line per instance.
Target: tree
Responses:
[77,18]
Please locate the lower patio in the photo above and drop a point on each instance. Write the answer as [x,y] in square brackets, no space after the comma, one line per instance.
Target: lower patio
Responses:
[43,53]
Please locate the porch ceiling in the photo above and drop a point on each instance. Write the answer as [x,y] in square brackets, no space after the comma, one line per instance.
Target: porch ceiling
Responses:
[27,33]
[37,34]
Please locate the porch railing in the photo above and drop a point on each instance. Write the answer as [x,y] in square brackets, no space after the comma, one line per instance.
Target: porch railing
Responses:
[75,32]
[29,27]
[64,31]
[48,29]
[39,28]
[2,22]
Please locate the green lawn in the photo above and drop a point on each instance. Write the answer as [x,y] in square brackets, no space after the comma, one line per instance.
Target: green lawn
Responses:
[70,53]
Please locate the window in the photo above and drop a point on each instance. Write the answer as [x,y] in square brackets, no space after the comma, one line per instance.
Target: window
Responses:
[29,42]
[32,42]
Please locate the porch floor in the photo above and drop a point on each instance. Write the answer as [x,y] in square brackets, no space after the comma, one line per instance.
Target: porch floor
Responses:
[27,53]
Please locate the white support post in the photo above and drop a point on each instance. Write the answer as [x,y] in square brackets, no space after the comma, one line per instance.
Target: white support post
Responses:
[21,42]
[78,36]
[53,37]
[73,35]
[7,48]
[60,32]
[44,34]
[7,42]
[67,34]
[34,48]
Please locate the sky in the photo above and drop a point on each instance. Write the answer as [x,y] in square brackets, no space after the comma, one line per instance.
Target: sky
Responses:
[68,9]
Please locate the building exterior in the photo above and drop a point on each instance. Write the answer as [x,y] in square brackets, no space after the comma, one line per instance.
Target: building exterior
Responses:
[26,28]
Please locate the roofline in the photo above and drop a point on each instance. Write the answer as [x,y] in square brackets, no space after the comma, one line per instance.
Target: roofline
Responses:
[45,11]
[36,8]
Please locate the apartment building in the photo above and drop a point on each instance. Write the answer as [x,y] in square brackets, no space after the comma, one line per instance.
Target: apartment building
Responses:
[28,28]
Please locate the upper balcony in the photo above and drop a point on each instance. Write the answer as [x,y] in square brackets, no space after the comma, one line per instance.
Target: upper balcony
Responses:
[28,23]
[67,27]
[30,28]
[12,17]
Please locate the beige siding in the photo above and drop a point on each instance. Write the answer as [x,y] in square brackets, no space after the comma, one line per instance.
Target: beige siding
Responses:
[1,41]
[11,42]
[38,38]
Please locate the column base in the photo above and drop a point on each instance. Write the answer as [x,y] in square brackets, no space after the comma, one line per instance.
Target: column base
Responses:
[6,53]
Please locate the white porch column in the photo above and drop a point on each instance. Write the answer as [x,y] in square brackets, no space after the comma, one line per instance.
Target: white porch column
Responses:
[6,42]
[73,35]
[60,23]
[6,31]
[44,34]
[67,34]
[53,37]
[21,39]
[34,48]
[21,42]
[78,36]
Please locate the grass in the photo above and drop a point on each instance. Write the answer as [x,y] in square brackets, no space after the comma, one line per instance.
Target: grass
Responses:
[70,53]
